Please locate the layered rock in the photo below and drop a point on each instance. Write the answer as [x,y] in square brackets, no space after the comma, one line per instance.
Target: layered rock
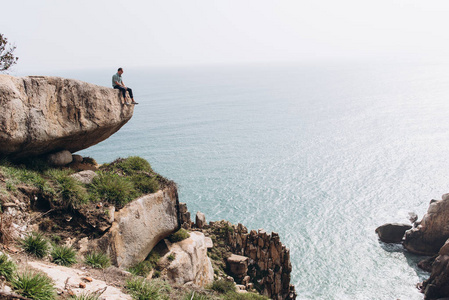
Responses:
[269,264]
[48,114]
[139,226]
[190,263]
[432,232]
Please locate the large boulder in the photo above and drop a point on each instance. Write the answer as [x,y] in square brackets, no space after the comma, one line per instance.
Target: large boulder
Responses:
[43,114]
[191,263]
[392,232]
[139,226]
[433,230]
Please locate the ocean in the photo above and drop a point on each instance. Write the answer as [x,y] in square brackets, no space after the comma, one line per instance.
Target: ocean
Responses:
[320,153]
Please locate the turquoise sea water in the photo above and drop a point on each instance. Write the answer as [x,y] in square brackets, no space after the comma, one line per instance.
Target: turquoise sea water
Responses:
[322,154]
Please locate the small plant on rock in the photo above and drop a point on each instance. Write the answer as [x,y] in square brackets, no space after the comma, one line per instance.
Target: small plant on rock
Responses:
[196,296]
[63,255]
[35,244]
[34,285]
[7,267]
[97,260]
[71,191]
[178,236]
[171,257]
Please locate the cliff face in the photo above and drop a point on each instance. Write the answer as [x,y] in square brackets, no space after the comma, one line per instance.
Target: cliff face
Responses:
[47,114]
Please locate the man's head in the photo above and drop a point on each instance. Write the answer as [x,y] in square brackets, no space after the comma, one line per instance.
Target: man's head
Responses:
[120,71]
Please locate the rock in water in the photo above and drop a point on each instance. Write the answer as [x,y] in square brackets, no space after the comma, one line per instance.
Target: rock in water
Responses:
[43,114]
[432,232]
[392,232]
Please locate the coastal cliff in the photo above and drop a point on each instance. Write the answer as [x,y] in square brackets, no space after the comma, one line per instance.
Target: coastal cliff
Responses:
[122,211]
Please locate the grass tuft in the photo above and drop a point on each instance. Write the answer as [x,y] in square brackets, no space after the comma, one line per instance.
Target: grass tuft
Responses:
[35,244]
[178,236]
[222,286]
[132,164]
[145,183]
[142,289]
[63,255]
[97,260]
[113,188]
[34,285]
[7,267]
[71,191]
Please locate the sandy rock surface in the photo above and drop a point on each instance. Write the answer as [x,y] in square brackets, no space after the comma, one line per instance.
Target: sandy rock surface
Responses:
[59,275]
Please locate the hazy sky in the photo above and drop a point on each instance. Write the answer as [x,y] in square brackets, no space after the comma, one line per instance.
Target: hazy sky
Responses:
[63,34]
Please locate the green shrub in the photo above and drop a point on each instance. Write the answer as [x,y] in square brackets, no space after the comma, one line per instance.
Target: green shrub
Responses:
[35,244]
[142,289]
[7,267]
[113,188]
[144,183]
[34,285]
[97,260]
[71,191]
[144,268]
[132,165]
[141,269]
[63,255]
[178,236]
[171,257]
[222,286]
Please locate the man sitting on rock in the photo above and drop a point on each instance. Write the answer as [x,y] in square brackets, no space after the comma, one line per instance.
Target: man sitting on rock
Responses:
[117,83]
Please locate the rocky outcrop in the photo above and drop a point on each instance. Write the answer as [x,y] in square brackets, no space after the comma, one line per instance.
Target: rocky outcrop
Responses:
[269,264]
[42,115]
[392,232]
[139,226]
[432,232]
[189,261]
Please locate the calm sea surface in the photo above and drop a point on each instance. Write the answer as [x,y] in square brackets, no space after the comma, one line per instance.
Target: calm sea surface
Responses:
[322,154]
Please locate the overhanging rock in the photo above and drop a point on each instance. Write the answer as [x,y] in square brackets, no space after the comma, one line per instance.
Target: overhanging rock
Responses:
[41,114]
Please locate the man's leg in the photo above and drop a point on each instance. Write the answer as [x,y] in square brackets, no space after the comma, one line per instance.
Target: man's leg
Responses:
[130,91]
[123,90]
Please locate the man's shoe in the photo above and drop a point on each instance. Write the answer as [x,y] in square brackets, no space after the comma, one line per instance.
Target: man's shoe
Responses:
[134,102]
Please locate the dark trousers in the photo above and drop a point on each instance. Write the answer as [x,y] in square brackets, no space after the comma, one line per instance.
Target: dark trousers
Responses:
[130,91]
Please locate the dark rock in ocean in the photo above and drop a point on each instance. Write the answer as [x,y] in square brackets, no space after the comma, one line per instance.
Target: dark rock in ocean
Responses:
[392,232]
[437,286]
[42,115]
[433,230]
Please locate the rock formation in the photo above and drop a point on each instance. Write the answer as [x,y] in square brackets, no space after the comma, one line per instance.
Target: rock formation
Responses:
[139,226]
[392,232]
[190,262]
[432,232]
[42,115]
